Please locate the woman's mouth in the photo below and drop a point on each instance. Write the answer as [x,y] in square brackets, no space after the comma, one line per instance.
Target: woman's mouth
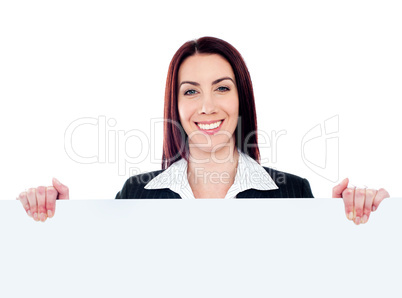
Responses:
[210,127]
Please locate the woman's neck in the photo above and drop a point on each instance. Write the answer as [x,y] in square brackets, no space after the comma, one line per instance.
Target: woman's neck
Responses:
[210,174]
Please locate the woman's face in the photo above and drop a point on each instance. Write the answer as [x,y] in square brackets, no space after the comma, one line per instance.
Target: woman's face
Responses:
[208,102]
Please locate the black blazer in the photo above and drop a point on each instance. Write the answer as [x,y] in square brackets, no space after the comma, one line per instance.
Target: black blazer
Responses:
[290,186]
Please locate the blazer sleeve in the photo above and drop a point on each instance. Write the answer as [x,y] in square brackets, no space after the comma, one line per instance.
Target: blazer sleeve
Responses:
[122,193]
[307,193]
[133,188]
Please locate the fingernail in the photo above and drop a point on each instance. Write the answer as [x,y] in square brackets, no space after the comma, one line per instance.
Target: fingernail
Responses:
[374,208]
[49,213]
[57,181]
[364,219]
[350,216]
[35,216]
[357,220]
[29,213]
[42,217]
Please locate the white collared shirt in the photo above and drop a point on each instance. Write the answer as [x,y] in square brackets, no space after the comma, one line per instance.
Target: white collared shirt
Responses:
[249,175]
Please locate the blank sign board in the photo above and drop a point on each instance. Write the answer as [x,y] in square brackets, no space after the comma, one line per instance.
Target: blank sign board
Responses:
[201,248]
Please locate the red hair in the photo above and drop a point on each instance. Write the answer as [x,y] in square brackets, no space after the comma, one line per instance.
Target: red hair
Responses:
[175,139]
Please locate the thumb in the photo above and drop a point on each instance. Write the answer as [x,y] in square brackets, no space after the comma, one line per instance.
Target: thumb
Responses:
[338,190]
[61,189]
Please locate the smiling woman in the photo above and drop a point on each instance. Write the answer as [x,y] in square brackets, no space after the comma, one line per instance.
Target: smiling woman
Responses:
[209,116]
[210,147]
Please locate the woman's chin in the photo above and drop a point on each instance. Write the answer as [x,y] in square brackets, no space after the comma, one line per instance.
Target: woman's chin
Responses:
[214,148]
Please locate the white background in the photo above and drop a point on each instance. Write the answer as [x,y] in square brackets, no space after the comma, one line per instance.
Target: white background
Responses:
[309,61]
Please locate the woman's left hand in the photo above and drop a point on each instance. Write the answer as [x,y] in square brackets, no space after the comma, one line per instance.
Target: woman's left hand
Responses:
[359,202]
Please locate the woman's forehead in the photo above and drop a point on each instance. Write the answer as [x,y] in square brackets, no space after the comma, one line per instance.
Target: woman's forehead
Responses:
[205,68]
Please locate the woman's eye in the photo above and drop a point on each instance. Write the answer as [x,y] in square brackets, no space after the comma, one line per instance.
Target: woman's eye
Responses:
[223,89]
[190,92]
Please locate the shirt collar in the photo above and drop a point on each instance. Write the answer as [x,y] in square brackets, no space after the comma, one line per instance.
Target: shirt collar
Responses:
[174,178]
[249,175]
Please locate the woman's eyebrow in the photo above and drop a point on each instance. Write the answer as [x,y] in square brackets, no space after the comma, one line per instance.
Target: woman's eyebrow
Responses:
[222,79]
[189,82]
[213,83]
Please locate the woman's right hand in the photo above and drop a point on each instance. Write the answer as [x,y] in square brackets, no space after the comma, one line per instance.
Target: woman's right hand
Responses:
[40,203]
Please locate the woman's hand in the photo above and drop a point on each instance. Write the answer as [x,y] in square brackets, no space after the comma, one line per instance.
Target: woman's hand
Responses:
[359,202]
[40,202]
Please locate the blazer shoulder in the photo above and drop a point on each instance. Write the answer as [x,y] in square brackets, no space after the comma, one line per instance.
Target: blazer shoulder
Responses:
[134,188]
[289,186]
[142,179]
[280,177]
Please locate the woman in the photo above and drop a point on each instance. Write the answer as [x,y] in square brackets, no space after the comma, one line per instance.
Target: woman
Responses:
[210,145]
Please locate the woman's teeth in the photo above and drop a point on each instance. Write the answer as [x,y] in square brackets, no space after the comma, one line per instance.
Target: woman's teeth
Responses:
[209,126]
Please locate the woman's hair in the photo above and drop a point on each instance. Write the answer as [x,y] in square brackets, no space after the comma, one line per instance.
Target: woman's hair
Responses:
[175,139]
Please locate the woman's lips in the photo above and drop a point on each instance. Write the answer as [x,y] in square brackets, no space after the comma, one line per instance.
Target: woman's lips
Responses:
[210,127]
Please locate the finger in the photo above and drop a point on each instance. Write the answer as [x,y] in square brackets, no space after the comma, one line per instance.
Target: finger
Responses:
[22,197]
[338,190]
[360,196]
[61,189]
[348,199]
[31,195]
[41,199]
[370,195]
[51,196]
[381,195]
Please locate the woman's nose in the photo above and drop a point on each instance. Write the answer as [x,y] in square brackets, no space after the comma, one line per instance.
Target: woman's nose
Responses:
[207,104]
